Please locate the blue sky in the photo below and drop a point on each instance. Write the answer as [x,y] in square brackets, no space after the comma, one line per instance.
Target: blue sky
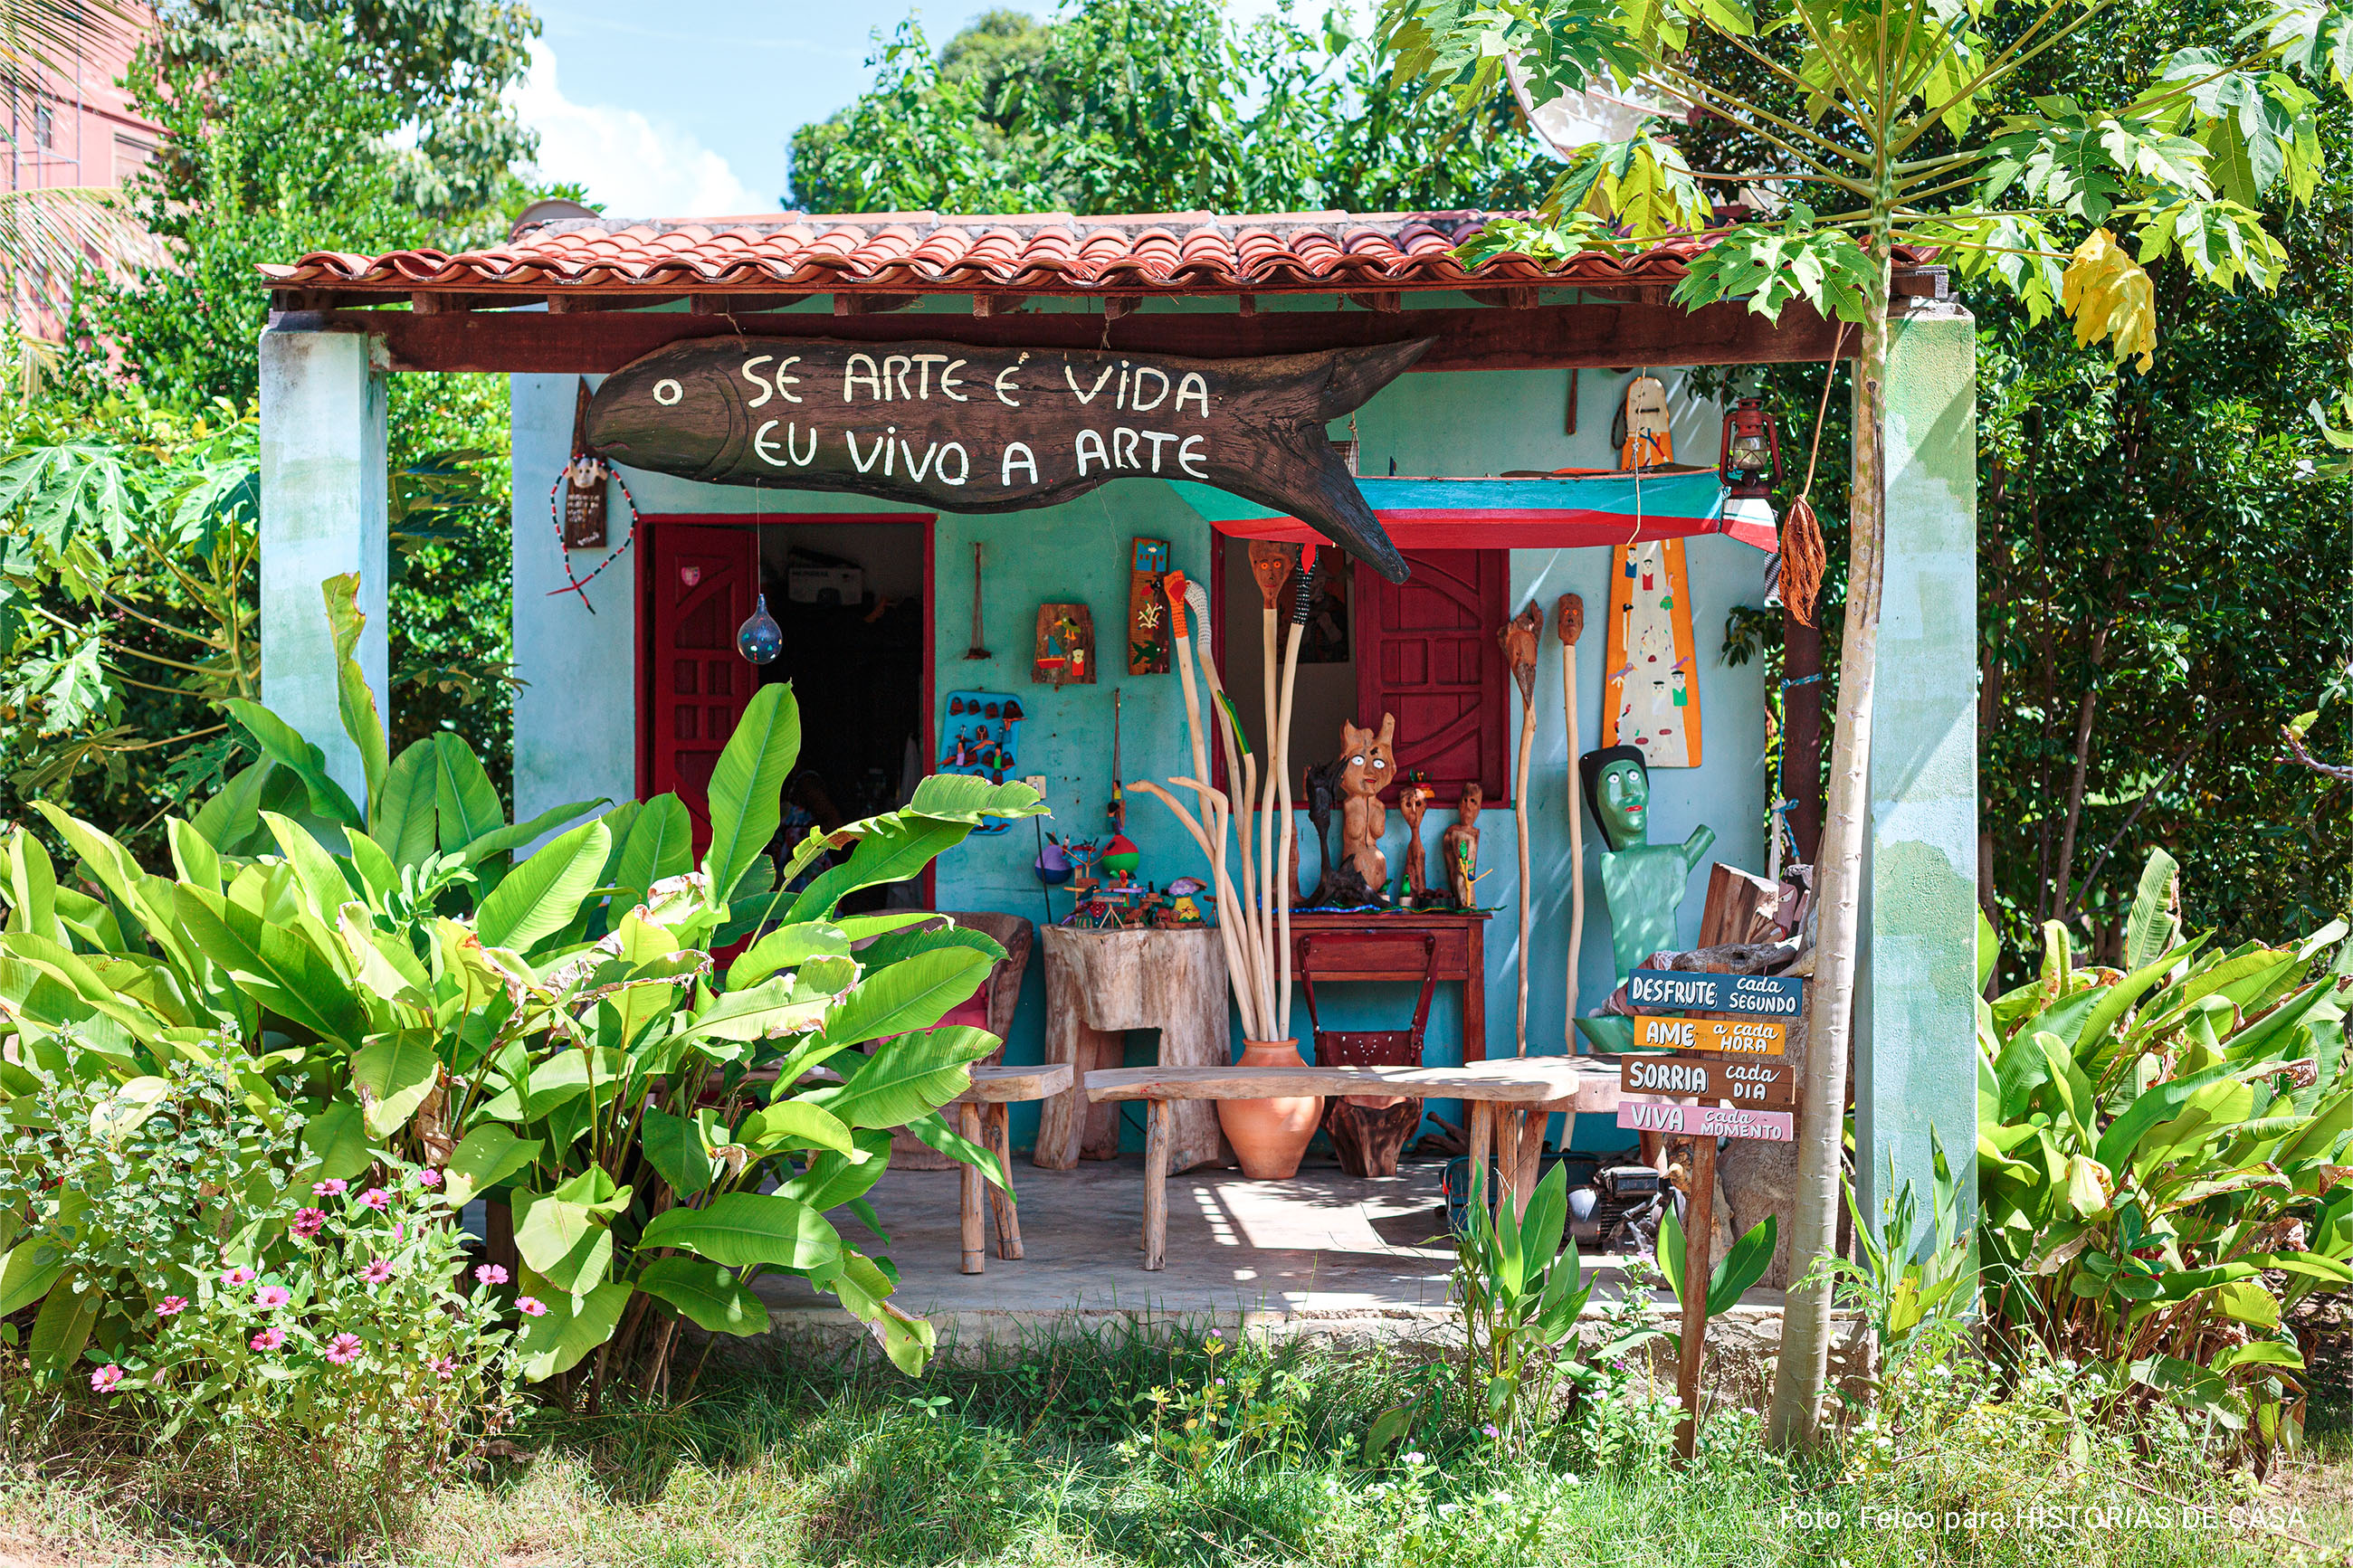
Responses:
[684,109]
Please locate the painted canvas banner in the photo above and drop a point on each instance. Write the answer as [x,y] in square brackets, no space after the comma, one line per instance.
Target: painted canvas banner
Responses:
[1651,698]
[1000,429]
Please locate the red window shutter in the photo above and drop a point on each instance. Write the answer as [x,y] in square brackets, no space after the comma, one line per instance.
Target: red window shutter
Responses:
[703,582]
[1426,651]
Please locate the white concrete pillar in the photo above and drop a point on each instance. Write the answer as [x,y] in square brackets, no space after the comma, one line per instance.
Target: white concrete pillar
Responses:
[1916,1009]
[324,512]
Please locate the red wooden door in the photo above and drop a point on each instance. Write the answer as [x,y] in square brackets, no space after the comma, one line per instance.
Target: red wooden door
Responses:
[1426,651]
[703,585]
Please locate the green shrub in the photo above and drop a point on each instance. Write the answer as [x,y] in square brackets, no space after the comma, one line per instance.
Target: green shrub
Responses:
[2160,1156]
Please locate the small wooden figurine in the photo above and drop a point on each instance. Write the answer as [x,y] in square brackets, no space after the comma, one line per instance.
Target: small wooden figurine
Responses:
[1369,766]
[1647,441]
[1459,847]
[1414,796]
[585,481]
[1066,645]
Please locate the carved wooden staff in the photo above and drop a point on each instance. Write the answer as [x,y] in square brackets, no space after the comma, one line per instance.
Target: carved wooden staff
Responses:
[1570,625]
[1519,640]
[1241,764]
[1303,601]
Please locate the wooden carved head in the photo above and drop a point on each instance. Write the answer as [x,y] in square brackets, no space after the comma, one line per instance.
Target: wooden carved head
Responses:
[1370,763]
[1518,637]
[1473,800]
[1414,796]
[1271,564]
[1571,623]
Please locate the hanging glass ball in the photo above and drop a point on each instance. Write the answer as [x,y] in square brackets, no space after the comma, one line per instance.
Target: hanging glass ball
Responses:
[760,639]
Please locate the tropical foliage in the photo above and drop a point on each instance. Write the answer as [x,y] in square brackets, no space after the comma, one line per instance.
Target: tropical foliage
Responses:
[2159,1151]
[1150,106]
[553,1032]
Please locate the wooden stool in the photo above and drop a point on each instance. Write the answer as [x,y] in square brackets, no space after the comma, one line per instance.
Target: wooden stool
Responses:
[984,1114]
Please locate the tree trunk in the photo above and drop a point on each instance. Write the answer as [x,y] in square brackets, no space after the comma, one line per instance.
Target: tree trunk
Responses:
[1801,732]
[1804,1363]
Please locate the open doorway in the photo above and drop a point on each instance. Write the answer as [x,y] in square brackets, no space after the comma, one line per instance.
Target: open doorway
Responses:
[849,595]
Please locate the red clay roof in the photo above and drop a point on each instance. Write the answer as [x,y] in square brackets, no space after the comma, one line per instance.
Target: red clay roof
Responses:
[1168,253]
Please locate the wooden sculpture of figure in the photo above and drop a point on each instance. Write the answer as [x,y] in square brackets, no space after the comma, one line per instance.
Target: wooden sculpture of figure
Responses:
[1370,764]
[1414,796]
[1518,637]
[1459,846]
[1642,882]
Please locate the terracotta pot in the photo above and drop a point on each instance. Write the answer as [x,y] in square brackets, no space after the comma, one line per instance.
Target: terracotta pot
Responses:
[1270,1136]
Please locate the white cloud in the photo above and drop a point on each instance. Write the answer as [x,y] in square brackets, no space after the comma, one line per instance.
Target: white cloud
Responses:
[633,166]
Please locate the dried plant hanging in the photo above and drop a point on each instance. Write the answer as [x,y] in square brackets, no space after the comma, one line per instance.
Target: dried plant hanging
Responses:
[1804,557]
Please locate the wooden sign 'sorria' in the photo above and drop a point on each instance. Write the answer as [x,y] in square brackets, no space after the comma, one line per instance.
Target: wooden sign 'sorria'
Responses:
[993,429]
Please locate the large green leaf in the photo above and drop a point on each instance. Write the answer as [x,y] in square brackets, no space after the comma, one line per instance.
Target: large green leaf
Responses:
[567,1242]
[401,816]
[541,896]
[709,1294]
[393,1076]
[746,785]
[321,881]
[464,799]
[793,1124]
[660,845]
[62,1327]
[337,1137]
[906,1077]
[31,1267]
[572,1327]
[913,994]
[1742,1267]
[674,1147]
[786,947]
[277,962]
[352,697]
[283,744]
[740,1228]
[502,840]
[833,1179]
[483,1157]
[893,849]
[2149,928]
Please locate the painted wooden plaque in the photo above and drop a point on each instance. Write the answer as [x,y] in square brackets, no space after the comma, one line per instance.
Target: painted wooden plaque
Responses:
[1065,654]
[1147,612]
[1651,698]
[1769,1084]
[1676,990]
[585,482]
[1706,1121]
[1731,1037]
[969,429]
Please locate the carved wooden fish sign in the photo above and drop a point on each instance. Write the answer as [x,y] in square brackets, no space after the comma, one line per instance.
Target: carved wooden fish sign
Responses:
[1000,429]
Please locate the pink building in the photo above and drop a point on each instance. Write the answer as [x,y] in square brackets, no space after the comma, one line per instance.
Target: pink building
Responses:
[74,127]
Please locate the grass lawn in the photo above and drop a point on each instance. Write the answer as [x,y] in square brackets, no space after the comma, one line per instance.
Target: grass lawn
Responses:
[1065,1457]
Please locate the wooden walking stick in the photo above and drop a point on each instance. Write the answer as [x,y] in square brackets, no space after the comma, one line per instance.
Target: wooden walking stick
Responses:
[1570,625]
[1519,639]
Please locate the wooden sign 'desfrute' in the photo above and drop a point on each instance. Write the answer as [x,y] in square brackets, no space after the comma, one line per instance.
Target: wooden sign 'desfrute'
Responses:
[999,429]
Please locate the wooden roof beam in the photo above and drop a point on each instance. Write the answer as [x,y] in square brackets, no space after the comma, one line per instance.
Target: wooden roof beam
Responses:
[871,304]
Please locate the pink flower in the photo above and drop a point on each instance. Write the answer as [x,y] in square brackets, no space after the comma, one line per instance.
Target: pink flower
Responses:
[269,1298]
[103,1380]
[400,1233]
[241,1275]
[377,1198]
[172,1306]
[445,1366]
[344,1348]
[308,1223]
[429,1178]
[267,1339]
[334,1188]
[491,1274]
[379,1271]
[530,1306]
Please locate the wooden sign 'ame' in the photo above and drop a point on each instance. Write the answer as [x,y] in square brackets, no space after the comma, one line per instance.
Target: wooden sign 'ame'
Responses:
[1000,429]
[1733,1037]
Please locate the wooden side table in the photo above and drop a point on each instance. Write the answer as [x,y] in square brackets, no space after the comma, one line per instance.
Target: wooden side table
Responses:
[1100,983]
[1461,956]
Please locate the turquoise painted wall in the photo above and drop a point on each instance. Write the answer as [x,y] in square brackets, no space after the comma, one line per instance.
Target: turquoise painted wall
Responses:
[574,723]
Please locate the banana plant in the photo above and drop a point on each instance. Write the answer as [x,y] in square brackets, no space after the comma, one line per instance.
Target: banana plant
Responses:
[2157,1145]
[553,1033]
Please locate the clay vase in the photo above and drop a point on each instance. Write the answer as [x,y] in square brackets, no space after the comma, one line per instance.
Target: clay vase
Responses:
[1270,1136]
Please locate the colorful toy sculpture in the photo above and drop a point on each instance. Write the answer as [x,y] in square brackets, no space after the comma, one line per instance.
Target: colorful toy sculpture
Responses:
[1642,883]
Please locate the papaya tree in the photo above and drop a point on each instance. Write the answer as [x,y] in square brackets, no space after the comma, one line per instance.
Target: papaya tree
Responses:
[1879,123]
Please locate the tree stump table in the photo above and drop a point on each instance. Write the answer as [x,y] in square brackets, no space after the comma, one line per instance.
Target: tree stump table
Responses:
[984,1114]
[1512,1091]
[1101,982]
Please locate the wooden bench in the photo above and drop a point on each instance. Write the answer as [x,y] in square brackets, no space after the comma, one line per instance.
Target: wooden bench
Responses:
[1523,1092]
[984,1114]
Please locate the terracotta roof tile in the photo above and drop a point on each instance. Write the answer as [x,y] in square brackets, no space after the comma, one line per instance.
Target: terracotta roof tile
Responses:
[1173,253]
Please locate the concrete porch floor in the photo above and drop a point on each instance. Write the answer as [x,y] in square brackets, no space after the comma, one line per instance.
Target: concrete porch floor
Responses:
[1323,1253]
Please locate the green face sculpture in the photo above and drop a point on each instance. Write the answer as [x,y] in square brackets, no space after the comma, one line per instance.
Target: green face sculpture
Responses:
[1621,798]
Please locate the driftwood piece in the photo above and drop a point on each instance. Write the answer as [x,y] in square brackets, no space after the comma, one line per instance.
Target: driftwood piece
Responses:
[1368,1139]
[1028,427]
[1740,908]
[1100,984]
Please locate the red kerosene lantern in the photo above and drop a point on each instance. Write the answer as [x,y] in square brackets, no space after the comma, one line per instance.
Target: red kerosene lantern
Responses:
[1750,465]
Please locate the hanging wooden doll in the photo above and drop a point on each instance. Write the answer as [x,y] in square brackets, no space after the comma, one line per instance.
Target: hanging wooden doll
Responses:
[1644,439]
[585,479]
